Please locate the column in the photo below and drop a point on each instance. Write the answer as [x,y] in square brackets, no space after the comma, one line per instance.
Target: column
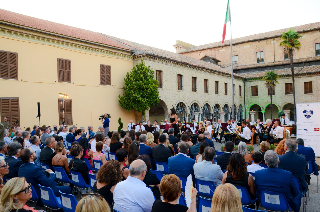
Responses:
[146,115]
[264,118]
[196,116]
[287,113]
[222,113]
[252,113]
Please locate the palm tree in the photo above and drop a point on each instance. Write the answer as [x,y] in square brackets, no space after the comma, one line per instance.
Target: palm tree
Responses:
[290,40]
[271,80]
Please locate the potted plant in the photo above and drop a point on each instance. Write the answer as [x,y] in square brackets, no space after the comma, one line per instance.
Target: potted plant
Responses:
[273,147]
[250,149]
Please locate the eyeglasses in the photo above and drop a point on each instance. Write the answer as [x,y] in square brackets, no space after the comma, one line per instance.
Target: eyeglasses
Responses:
[4,166]
[26,190]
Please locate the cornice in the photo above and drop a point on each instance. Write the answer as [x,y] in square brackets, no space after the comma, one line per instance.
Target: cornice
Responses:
[19,34]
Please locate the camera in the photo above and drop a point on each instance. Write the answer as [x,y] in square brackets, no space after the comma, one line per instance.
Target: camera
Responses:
[102,116]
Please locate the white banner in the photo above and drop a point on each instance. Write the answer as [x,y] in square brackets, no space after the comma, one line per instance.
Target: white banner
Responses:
[308,125]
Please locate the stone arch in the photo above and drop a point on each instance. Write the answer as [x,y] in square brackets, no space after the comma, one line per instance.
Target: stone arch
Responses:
[195,111]
[216,112]
[206,111]
[235,111]
[258,115]
[240,113]
[289,107]
[275,110]
[182,112]
[226,111]
[158,112]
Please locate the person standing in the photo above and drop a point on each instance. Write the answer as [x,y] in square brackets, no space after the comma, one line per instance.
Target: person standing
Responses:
[174,121]
[5,123]
[106,124]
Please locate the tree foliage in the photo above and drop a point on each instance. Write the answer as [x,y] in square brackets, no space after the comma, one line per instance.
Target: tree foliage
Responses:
[271,79]
[140,89]
[120,126]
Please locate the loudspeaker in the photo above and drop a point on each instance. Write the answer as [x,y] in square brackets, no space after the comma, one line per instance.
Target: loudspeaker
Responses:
[39,109]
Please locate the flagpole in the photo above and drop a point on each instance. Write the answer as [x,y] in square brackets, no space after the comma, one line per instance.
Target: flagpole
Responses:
[233,115]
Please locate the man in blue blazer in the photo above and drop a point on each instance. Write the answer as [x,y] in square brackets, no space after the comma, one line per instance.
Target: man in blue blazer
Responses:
[309,154]
[173,140]
[194,150]
[277,180]
[144,149]
[294,163]
[13,160]
[36,175]
[181,164]
[208,138]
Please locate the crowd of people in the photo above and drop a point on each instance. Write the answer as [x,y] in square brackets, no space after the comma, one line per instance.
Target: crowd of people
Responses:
[126,181]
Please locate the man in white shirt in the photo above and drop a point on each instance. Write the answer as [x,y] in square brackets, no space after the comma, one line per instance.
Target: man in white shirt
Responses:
[229,135]
[130,125]
[193,129]
[217,131]
[64,133]
[234,124]
[209,128]
[26,137]
[140,127]
[246,134]
[156,126]
[35,142]
[132,195]
[285,121]
[277,130]
[255,166]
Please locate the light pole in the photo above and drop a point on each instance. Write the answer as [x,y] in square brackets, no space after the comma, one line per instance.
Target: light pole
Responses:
[63,96]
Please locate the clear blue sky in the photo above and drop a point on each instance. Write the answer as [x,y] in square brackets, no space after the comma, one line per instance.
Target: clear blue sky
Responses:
[161,23]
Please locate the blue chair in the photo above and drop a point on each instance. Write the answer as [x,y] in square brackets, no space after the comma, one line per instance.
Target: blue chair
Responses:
[304,194]
[245,209]
[34,197]
[204,204]
[49,199]
[310,171]
[183,183]
[70,158]
[245,196]
[44,166]
[69,145]
[273,201]
[182,200]
[78,181]
[157,173]
[92,180]
[162,166]
[88,163]
[218,153]
[68,202]
[97,164]
[205,188]
[112,156]
[61,174]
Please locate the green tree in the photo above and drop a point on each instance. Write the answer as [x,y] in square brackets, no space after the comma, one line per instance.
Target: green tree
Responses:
[290,40]
[140,89]
[271,80]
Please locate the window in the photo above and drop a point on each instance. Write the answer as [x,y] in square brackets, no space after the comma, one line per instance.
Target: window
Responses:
[179,82]
[206,89]
[288,88]
[67,107]
[11,110]
[159,78]
[225,88]
[260,57]
[235,58]
[254,90]
[216,85]
[239,90]
[308,87]
[317,49]
[8,65]
[194,84]
[105,75]
[286,54]
[64,70]
[273,91]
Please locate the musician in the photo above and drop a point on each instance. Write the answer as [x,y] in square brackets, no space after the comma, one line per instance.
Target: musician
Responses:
[259,131]
[218,130]
[230,133]
[149,127]
[130,125]
[277,131]
[209,127]
[285,121]
[234,124]
[140,127]
[193,129]
[166,126]
[182,127]
[156,126]
[267,131]
[246,134]
[201,125]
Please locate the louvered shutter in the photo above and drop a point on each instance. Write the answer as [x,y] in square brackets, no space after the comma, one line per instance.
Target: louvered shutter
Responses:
[13,65]
[3,64]
[68,112]
[60,111]
[10,109]
[103,74]
[60,70]
[108,75]
[67,71]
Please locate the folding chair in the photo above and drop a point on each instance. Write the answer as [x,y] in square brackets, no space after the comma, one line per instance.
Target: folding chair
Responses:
[310,171]
[245,196]
[70,158]
[274,201]
[68,202]
[205,188]
[88,163]
[61,174]
[77,180]
[112,156]
[44,166]
[245,209]
[49,199]
[162,166]
[204,204]
[157,173]
[97,164]
[304,194]
[182,200]
[34,197]
[69,145]
[218,153]
[92,180]
[183,183]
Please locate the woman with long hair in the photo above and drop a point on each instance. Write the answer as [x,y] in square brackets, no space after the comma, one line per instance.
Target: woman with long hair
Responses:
[133,153]
[87,152]
[98,155]
[156,135]
[174,121]
[199,157]
[226,198]
[78,135]
[126,143]
[280,148]
[115,142]
[237,175]
[150,140]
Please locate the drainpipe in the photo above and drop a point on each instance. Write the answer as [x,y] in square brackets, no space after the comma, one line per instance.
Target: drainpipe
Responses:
[244,98]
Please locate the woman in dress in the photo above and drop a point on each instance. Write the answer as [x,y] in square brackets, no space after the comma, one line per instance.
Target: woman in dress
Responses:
[98,155]
[87,152]
[59,159]
[122,157]
[133,152]
[78,135]
[174,121]
[115,142]
[77,164]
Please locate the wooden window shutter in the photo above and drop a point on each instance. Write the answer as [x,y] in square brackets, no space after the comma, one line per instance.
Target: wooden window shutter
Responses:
[8,65]
[10,108]
[64,70]
[254,90]
[225,88]
[68,112]
[60,111]
[308,87]
[216,87]
[105,74]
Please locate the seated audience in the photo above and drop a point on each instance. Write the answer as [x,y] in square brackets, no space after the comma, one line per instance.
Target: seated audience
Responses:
[12,159]
[150,140]
[98,155]
[35,142]
[207,136]
[7,138]
[87,152]
[37,175]
[237,174]
[144,149]
[1,184]
[226,198]
[206,169]
[14,195]
[185,138]
[156,135]
[70,137]
[107,178]
[48,152]
[123,136]
[133,153]
[172,139]
[122,157]
[78,135]
[280,148]
[46,135]
[132,134]
[161,153]
[294,163]
[255,166]
[151,179]
[199,157]
[242,149]
[223,160]
[115,142]
[194,150]
[180,164]
[137,135]
[277,180]
[264,146]
[170,188]
[77,164]
[133,194]
[92,203]
[21,141]
[3,149]
[126,143]
[59,159]
[4,167]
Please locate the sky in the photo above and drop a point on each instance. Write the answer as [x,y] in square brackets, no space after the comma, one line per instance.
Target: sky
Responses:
[160,23]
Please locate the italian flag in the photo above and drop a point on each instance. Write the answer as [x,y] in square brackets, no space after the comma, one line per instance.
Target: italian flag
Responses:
[228,19]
